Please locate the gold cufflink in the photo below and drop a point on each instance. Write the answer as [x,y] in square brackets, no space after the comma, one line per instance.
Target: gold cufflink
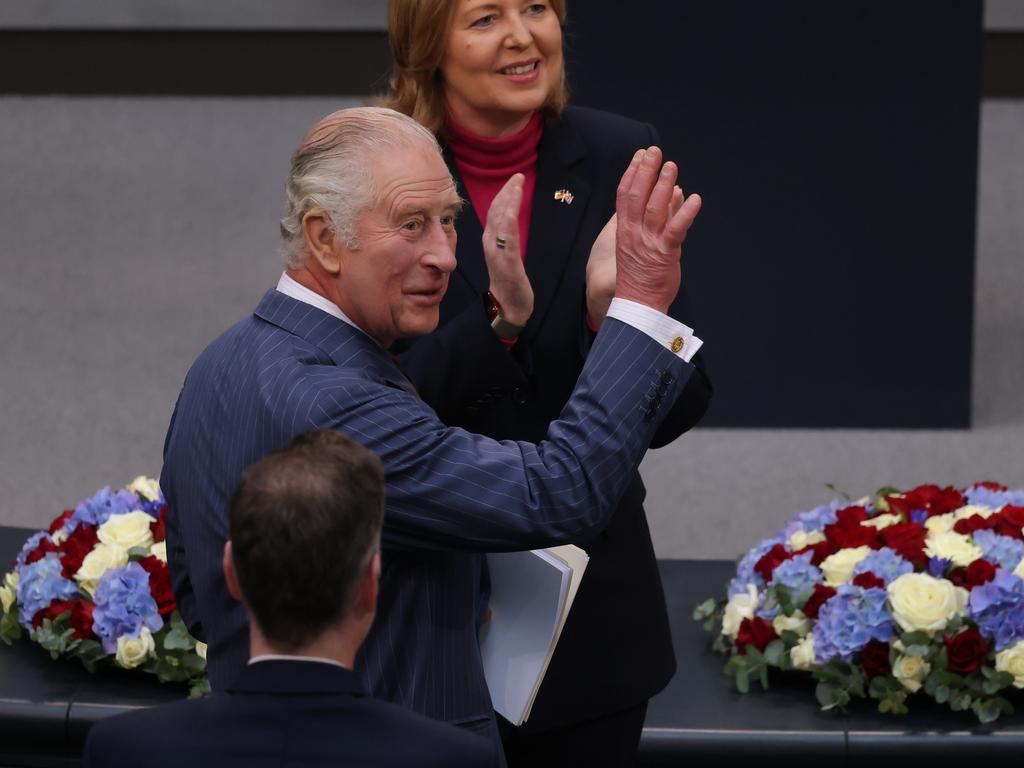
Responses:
[677,344]
[564,196]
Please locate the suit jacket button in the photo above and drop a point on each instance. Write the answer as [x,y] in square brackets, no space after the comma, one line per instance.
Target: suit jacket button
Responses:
[518,395]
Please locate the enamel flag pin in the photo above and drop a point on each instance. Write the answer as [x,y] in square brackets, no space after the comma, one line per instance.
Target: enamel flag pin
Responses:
[564,196]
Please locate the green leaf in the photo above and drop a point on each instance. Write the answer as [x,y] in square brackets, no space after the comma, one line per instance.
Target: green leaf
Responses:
[960,701]
[825,693]
[178,639]
[743,681]
[10,629]
[705,610]
[137,553]
[91,654]
[199,688]
[774,652]
[56,636]
[838,491]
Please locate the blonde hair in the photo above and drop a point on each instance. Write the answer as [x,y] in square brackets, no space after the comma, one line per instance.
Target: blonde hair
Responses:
[418,31]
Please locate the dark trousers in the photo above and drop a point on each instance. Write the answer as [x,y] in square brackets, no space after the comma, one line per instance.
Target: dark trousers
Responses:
[610,740]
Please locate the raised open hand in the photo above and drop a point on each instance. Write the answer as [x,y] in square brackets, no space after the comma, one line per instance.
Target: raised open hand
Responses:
[650,231]
[508,282]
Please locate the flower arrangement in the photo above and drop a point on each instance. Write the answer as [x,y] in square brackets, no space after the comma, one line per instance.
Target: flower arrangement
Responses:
[905,592]
[95,586]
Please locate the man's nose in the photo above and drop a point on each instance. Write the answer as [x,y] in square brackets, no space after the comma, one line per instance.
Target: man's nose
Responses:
[441,251]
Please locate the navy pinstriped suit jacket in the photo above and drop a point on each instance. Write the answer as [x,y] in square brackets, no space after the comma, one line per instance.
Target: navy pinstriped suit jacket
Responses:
[451,494]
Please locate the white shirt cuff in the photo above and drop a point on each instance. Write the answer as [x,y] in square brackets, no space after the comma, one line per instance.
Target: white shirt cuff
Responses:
[676,337]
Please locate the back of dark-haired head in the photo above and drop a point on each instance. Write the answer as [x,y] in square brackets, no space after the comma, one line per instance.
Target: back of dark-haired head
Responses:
[305,523]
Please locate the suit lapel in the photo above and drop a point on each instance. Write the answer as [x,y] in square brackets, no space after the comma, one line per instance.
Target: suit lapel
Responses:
[470,230]
[347,347]
[555,224]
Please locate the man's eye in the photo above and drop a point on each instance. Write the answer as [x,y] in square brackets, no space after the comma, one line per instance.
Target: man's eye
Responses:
[412,226]
[484,21]
[447,222]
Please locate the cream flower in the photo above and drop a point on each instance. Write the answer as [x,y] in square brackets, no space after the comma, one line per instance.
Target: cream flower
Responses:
[922,602]
[12,579]
[102,558]
[952,546]
[1019,570]
[802,539]
[145,487]
[6,598]
[1012,660]
[970,510]
[838,567]
[797,623]
[739,607]
[201,648]
[802,654]
[940,524]
[882,521]
[132,651]
[911,671]
[59,537]
[128,530]
[159,550]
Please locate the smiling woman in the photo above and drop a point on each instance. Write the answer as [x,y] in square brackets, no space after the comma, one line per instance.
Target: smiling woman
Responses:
[522,308]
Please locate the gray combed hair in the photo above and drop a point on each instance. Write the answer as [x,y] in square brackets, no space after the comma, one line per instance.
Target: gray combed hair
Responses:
[331,170]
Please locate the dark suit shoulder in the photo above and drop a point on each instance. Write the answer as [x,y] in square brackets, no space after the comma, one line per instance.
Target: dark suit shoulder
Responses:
[604,131]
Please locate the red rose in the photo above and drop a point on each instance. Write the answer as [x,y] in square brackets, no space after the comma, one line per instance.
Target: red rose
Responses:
[44,547]
[851,516]
[75,547]
[81,616]
[935,500]
[966,651]
[756,632]
[851,536]
[58,522]
[907,539]
[818,597]
[1010,521]
[159,527]
[821,550]
[868,580]
[874,657]
[771,560]
[969,525]
[159,583]
[991,486]
[977,573]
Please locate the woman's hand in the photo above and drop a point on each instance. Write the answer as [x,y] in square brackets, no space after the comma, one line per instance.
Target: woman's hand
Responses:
[509,284]
[601,267]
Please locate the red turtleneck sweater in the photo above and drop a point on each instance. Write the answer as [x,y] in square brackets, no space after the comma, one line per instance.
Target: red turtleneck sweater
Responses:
[486,164]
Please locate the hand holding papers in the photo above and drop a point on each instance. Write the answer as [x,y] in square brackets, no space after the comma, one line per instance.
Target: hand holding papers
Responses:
[531,594]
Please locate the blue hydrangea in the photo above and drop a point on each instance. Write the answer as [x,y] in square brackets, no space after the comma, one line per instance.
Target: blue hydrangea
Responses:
[918,516]
[1004,551]
[998,609]
[937,566]
[797,573]
[849,621]
[885,564]
[124,605]
[815,519]
[31,544]
[105,503]
[745,573]
[994,499]
[41,583]
[152,507]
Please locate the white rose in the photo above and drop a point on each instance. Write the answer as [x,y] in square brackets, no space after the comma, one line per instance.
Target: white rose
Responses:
[1012,660]
[802,539]
[132,651]
[739,607]
[6,598]
[12,579]
[128,530]
[102,558]
[940,524]
[952,546]
[883,521]
[797,623]
[922,602]
[145,487]
[970,510]
[911,671]
[159,550]
[1019,570]
[802,654]
[201,649]
[59,537]
[838,567]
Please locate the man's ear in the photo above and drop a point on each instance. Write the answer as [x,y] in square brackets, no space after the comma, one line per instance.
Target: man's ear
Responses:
[369,588]
[229,572]
[320,240]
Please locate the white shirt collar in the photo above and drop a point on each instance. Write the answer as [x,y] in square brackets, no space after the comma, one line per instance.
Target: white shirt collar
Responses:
[285,657]
[299,292]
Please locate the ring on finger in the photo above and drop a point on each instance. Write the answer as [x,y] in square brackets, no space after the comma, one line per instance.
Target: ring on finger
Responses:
[500,241]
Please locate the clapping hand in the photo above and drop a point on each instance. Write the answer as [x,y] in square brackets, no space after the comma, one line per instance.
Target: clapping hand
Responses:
[509,284]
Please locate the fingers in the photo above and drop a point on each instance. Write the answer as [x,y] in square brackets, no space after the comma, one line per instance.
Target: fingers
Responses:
[626,183]
[643,181]
[681,221]
[503,216]
[656,211]
[677,199]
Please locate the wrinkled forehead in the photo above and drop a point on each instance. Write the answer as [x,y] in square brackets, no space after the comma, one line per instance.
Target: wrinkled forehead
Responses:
[412,177]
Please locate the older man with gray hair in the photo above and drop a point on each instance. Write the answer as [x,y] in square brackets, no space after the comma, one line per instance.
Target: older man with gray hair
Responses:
[369,245]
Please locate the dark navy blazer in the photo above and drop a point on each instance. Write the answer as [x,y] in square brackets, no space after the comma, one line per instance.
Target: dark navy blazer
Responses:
[290,368]
[282,713]
[618,622]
